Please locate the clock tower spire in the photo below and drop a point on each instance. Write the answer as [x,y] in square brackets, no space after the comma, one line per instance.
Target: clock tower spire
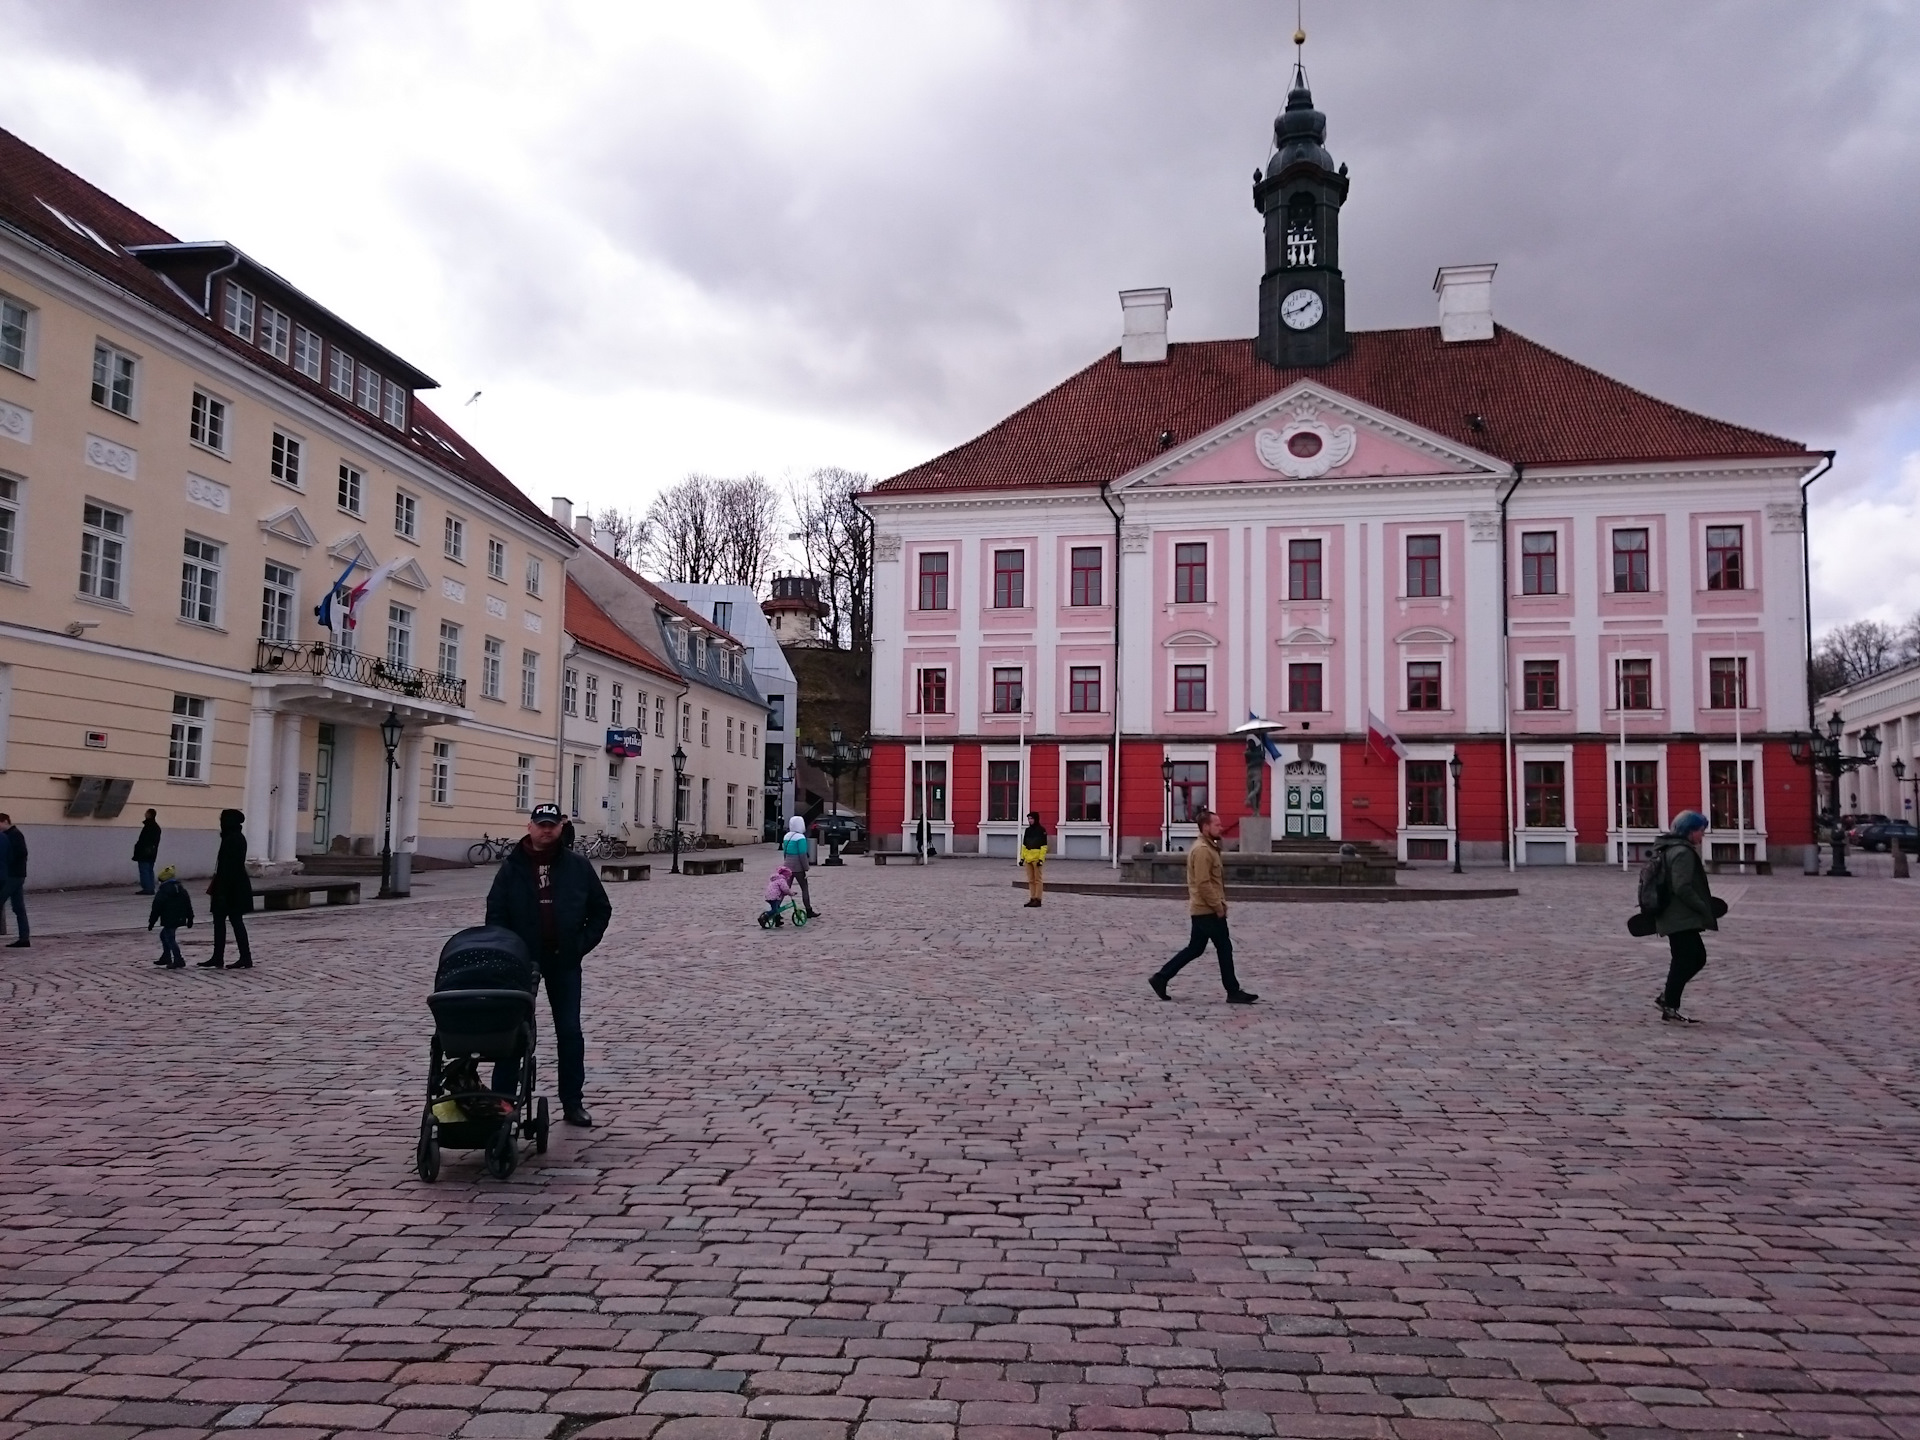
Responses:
[1303,299]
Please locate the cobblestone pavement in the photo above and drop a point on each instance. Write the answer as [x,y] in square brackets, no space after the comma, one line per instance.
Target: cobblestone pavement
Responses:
[939,1166]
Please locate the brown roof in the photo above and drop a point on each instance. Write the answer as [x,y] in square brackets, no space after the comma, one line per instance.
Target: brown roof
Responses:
[1535,407]
[31,182]
[665,600]
[593,627]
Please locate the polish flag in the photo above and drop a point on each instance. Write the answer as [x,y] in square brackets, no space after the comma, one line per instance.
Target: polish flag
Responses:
[1383,742]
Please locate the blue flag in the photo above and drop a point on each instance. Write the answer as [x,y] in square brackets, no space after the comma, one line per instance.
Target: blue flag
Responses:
[323,612]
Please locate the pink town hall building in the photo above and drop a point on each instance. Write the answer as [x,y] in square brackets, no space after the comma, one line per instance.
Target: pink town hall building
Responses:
[1402,547]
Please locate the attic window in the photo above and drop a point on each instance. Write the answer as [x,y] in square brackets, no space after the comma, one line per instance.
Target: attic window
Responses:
[79,228]
[425,434]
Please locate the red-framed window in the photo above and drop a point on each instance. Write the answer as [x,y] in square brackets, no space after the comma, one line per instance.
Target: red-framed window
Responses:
[1638,782]
[1190,687]
[1726,557]
[1426,792]
[1303,570]
[933,691]
[1423,685]
[1008,691]
[930,784]
[1423,566]
[1540,562]
[1540,685]
[1543,792]
[1083,570]
[1727,682]
[1634,686]
[1304,689]
[1003,790]
[1189,573]
[1726,806]
[1083,790]
[1083,689]
[1189,796]
[1009,579]
[933,580]
[1632,574]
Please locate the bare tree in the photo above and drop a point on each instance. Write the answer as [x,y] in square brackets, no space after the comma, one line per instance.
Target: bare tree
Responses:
[678,540]
[620,532]
[836,543]
[746,520]
[1857,650]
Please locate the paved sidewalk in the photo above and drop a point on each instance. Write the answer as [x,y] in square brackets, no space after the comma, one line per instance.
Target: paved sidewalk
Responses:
[938,1166]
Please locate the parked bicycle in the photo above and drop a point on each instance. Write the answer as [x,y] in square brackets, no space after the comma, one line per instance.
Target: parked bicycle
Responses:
[601,846]
[488,849]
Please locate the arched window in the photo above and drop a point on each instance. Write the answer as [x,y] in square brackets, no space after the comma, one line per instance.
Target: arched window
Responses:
[1301,246]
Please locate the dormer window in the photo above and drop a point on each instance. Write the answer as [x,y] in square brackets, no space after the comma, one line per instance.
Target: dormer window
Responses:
[1301,241]
[366,392]
[238,315]
[306,352]
[340,374]
[273,332]
[393,407]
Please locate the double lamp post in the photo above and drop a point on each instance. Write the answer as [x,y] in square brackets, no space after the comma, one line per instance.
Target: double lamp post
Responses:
[1823,753]
[840,756]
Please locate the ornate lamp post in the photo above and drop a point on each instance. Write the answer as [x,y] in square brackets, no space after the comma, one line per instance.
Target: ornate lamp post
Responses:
[390,737]
[1899,782]
[1822,752]
[840,756]
[1454,767]
[1166,805]
[679,778]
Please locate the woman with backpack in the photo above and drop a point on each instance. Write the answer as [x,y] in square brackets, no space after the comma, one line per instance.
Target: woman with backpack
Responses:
[1674,893]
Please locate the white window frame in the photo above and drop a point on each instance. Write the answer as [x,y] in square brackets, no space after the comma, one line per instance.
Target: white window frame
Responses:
[1184,832]
[273,332]
[1077,755]
[308,352]
[400,634]
[393,404]
[939,832]
[496,558]
[440,773]
[340,373]
[287,459]
[279,600]
[1639,838]
[104,538]
[12,526]
[406,515]
[590,698]
[493,663]
[454,539]
[207,422]
[350,494]
[530,680]
[187,739]
[237,310]
[523,783]
[569,692]
[114,354]
[616,705]
[16,314]
[366,388]
[449,651]
[533,575]
[1450,832]
[201,566]
[1005,830]
[1523,833]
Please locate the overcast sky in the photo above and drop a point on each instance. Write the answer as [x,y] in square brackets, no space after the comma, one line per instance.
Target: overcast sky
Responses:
[771,236]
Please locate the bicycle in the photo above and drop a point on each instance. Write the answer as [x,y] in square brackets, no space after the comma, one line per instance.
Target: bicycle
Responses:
[489,848]
[601,846]
[777,918]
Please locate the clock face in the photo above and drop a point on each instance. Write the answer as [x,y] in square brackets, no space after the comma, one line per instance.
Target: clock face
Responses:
[1301,310]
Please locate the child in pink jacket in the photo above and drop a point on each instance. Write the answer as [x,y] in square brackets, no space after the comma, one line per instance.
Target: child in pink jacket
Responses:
[779,886]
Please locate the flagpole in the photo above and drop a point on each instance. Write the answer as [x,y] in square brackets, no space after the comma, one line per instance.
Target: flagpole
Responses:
[1739,759]
[1620,772]
[1026,789]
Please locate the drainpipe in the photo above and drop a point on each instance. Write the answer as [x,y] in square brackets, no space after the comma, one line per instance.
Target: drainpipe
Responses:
[1113,808]
[206,303]
[1806,607]
[1506,675]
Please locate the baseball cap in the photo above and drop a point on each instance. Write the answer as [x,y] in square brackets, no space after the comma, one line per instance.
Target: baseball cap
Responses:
[546,815]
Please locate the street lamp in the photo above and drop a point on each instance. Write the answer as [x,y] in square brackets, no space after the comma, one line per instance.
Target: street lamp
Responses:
[390,737]
[1166,805]
[679,779]
[1454,767]
[1899,850]
[1822,753]
[841,756]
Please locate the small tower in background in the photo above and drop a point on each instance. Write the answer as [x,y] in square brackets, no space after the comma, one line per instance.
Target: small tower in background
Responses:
[795,610]
[1303,299]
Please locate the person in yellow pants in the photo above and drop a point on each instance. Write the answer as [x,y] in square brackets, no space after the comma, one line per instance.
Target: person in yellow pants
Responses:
[1033,855]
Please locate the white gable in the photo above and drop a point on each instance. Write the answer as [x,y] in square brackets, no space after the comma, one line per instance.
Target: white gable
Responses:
[289,524]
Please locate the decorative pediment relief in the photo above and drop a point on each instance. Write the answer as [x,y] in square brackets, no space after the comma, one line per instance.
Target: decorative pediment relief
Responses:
[1423,635]
[1306,635]
[1191,640]
[352,547]
[290,525]
[411,576]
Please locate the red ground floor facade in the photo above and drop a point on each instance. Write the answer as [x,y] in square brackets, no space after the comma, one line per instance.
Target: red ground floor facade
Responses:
[1569,800]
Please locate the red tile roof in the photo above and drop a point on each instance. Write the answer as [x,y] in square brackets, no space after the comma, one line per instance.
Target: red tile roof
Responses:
[1537,408]
[665,600]
[592,626]
[31,182]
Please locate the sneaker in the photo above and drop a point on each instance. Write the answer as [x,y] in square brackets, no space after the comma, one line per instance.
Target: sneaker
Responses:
[1159,987]
[577,1115]
[1242,997]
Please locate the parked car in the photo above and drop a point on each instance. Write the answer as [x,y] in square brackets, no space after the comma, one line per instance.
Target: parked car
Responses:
[1882,836]
[851,825]
[1854,826]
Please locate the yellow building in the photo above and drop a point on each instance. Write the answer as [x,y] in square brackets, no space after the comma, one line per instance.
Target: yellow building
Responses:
[193,456]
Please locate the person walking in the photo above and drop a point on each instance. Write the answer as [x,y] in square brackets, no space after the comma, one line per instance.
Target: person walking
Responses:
[230,894]
[1207,911]
[172,908]
[146,850]
[552,899]
[796,855]
[1690,910]
[1033,855]
[13,882]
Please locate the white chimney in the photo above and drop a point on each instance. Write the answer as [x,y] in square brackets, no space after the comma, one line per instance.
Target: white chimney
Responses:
[1143,325]
[563,511]
[583,527]
[1466,301]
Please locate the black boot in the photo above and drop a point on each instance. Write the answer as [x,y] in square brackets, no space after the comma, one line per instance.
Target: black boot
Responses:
[216,963]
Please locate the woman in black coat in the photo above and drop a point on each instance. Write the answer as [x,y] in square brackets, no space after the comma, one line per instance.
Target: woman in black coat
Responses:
[230,893]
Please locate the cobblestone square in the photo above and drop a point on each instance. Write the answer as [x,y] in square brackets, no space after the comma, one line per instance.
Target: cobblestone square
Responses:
[938,1166]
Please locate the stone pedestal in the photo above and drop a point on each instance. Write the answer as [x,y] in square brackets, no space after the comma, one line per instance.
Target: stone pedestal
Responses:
[1256,835]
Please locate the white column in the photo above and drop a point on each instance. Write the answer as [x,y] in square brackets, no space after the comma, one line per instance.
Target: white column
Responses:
[286,797]
[407,785]
[258,796]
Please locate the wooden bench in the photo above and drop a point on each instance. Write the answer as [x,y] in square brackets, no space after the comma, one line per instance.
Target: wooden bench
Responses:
[298,893]
[625,870]
[905,857]
[723,865]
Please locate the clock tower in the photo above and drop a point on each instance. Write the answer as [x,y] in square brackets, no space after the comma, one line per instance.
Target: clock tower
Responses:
[1303,300]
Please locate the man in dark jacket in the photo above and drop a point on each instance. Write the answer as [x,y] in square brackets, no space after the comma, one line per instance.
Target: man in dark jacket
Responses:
[552,899]
[13,881]
[146,850]
[1690,909]
[230,893]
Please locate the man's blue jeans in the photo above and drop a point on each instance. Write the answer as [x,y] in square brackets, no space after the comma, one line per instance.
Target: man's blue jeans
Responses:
[146,876]
[569,1041]
[13,891]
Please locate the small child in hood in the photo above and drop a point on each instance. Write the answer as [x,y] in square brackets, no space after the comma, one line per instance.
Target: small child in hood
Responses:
[779,886]
[172,908]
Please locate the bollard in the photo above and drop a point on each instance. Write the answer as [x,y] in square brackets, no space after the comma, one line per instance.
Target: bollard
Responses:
[1899,860]
[1810,860]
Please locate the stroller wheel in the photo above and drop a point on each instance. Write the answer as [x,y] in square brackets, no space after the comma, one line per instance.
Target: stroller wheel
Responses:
[426,1155]
[540,1127]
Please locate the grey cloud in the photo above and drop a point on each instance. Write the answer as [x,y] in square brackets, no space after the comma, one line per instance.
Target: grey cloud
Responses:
[210,48]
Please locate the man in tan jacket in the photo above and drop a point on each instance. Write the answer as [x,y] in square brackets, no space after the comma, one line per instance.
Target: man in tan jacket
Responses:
[1207,908]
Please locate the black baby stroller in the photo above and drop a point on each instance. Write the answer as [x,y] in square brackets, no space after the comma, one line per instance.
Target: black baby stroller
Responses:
[482,1005]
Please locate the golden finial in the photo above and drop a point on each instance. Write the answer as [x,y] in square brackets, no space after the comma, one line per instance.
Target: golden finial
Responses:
[1299,23]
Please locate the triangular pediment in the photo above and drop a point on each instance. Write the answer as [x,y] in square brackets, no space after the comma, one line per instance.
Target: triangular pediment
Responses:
[1311,433]
[290,525]
[411,576]
[351,547]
